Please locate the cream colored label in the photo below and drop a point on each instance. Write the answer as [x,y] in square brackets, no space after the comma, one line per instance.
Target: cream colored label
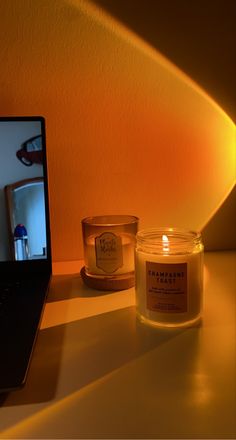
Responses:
[166,287]
[108,248]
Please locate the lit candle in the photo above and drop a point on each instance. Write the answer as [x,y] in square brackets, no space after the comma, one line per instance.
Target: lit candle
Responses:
[169,277]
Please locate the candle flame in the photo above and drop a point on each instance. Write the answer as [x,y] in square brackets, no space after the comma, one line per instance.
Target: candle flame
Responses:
[165,243]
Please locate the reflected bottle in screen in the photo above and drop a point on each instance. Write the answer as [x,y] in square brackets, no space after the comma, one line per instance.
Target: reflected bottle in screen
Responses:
[21,243]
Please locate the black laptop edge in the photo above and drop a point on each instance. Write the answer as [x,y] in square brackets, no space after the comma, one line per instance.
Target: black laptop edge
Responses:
[33,269]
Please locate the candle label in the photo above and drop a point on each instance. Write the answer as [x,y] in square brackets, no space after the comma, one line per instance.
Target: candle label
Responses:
[166,287]
[108,248]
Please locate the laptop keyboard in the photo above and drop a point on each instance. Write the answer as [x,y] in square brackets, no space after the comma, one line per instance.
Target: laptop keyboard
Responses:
[6,290]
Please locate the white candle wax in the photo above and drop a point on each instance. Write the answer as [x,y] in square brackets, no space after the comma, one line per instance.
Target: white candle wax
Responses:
[122,256]
[169,284]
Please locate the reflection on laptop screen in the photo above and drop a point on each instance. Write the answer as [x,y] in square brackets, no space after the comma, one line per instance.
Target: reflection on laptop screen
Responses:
[22,205]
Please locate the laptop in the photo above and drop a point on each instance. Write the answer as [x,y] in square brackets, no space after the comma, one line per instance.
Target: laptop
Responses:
[25,252]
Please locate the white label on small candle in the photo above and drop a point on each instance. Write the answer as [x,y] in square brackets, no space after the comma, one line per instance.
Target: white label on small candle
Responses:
[166,287]
[108,248]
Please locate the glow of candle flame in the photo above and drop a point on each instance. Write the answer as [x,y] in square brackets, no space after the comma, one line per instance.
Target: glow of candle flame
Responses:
[165,243]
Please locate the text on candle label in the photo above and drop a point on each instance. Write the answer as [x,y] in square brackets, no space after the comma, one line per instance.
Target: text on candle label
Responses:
[108,249]
[166,287]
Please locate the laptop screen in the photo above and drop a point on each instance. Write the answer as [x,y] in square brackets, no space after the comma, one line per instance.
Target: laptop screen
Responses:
[24,227]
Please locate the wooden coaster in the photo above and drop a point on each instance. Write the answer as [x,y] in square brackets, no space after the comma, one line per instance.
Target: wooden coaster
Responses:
[111,283]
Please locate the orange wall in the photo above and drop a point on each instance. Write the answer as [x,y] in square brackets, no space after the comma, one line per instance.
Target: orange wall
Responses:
[127,131]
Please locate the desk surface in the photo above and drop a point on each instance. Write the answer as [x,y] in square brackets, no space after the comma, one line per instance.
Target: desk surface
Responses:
[97,373]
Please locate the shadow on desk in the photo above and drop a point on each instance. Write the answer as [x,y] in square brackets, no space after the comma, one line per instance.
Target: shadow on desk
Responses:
[88,350]
[41,383]
[62,284]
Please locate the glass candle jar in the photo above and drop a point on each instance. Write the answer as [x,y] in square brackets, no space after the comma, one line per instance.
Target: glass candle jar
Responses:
[109,243]
[169,277]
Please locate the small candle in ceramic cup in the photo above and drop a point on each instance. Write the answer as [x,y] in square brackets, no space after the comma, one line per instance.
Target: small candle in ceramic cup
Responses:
[169,277]
[109,243]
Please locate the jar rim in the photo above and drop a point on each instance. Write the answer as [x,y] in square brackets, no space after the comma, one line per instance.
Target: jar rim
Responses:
[154,236]
[110,220]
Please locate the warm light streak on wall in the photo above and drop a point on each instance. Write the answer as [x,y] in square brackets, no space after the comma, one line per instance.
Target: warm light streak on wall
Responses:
[128,132]
[120,31]
[164,137]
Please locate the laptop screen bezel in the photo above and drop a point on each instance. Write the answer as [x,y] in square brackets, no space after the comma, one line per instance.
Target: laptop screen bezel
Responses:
[38,266]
